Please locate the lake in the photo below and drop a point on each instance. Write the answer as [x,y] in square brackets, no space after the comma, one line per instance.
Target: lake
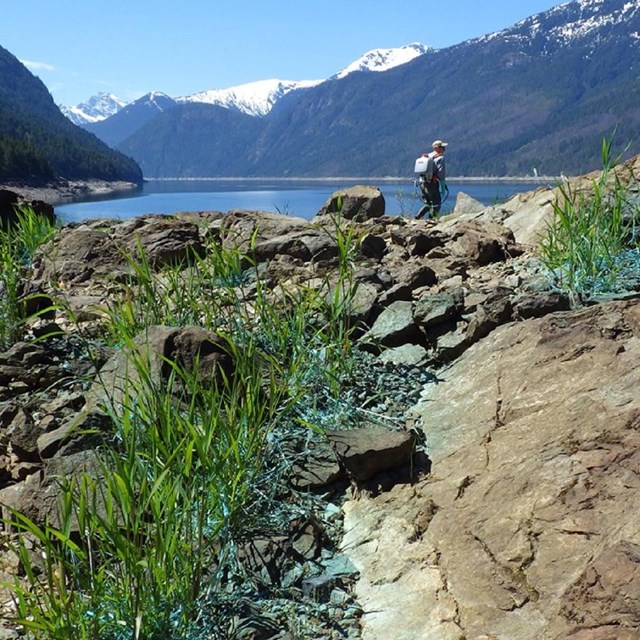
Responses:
[301,198]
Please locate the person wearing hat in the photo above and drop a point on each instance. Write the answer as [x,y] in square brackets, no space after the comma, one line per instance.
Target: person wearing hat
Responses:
[435,187]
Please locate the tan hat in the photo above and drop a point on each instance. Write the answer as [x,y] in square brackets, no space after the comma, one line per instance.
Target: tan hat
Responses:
[439,143]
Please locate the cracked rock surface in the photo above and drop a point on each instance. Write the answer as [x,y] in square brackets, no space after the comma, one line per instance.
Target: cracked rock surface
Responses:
[527,526]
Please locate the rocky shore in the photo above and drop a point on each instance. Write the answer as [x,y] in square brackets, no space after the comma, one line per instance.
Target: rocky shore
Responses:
[61,190]
[486,483]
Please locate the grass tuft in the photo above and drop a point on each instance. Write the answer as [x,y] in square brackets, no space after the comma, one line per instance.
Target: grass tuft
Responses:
[591,230]
[18,243]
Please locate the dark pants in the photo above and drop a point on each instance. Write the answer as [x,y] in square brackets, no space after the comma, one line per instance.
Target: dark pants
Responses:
[432,198]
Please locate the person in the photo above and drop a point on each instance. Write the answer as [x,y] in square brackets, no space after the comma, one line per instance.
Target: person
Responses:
[433,189]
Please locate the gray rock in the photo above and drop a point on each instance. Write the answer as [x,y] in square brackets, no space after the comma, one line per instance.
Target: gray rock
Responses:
[466,205]
[315,468]
[406,354]
[422,242]
[362,303]
[494,311]
[482,242]
[536,305]
[188,347]
[22,435]
[373,246]
[394,326]
[451,345]
[367,451]
[433,309]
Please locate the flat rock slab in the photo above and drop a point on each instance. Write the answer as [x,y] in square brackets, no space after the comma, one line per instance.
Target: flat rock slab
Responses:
[527,527]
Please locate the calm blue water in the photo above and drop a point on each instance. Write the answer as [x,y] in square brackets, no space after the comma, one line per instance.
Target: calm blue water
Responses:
[296,198]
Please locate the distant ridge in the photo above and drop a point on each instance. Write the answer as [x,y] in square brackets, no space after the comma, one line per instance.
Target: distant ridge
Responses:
[253,98]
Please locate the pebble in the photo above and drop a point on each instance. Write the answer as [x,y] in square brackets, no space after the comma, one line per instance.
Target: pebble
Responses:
[339,596]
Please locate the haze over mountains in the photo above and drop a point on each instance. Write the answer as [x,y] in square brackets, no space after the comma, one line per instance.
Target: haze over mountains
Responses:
[538,97]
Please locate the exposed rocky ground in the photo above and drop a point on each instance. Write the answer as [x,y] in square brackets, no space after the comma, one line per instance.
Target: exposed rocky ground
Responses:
[62,190]
[490,489]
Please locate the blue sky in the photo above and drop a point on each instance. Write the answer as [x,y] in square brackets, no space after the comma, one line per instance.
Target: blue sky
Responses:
[130,47]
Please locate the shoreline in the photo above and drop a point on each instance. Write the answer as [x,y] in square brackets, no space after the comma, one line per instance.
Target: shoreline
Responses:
[67,191]
[64,191]
[541,180]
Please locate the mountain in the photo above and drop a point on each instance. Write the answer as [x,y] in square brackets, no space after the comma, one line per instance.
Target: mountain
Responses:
[131,118]
[537,97]
[212,134]
[252,98]
[95,109]
[384,59]
[38,143]
[258,98]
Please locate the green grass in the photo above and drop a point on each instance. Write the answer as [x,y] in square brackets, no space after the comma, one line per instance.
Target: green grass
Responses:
[18,243]
[143,543]
[171,488]
[590,232]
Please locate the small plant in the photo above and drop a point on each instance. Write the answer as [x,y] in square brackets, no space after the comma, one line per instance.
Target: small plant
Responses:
[285,210]
[408,203]
[590,231]
[19,241]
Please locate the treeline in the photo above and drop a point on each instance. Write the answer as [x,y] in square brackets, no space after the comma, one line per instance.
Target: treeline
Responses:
[20,159]
[38,152]
[38,143]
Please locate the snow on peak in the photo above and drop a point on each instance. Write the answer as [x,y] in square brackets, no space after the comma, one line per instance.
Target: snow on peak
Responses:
[252,98]
[594,14]
[97,108]
[384,59]
[258,98]
[570,21]
[156,99]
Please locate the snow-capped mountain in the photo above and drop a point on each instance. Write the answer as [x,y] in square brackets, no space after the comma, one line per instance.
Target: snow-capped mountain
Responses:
[384,59]
[252,98]
[258,98]
[95,109]
[571,22]
[155,100]
[130,118]
[563,80]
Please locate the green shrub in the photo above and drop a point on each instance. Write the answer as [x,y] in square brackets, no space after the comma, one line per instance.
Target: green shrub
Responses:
[590,232]
[173,485]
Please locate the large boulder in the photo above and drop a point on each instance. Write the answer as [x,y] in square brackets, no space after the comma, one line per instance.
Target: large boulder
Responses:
[101,250]
[150,359]
[241,229]
[357,203]
[11,202]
